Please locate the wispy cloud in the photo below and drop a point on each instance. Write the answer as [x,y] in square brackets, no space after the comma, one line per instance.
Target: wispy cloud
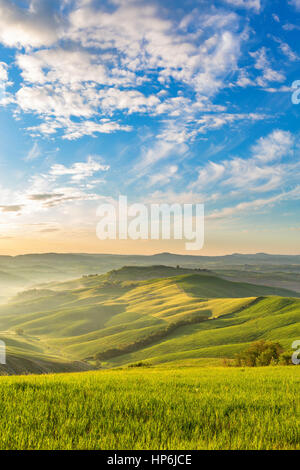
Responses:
[44,197]
[263,64]
[248,4]
[165,175]
[59,186]
[273,147]
[80,170]
[3,72]
[34,152]
[161,150]
[12,208]
[245,207]
[295,3]
[261,172]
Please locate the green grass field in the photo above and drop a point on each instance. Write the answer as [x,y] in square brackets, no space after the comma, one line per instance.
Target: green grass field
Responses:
[179,324]
[153,408]
[131,315]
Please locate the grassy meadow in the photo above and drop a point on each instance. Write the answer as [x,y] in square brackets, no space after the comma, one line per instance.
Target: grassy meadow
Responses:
[177,325]
[153,408]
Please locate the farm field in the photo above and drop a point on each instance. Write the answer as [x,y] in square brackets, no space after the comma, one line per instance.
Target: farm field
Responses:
[154,314]
[153,408]
[134,359]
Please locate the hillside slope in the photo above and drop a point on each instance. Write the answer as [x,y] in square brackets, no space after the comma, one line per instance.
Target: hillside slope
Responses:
[26,270]
[118,319]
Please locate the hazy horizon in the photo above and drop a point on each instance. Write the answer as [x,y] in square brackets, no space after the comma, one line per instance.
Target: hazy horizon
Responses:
[183,253]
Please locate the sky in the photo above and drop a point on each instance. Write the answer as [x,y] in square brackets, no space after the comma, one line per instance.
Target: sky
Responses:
[170,101]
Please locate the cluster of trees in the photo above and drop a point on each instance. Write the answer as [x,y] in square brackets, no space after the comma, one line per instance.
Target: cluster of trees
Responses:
[146,340]
[263,353]
[19,331]
[140,364]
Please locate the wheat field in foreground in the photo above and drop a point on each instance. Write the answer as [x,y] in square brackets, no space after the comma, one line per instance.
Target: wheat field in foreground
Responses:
[153,408]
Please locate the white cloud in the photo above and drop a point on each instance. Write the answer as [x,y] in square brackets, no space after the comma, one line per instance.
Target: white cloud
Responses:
[138,37]
[259,173]
[239,174]
[295,3]
[79,170]
[75,130]
[161,150]
[281,89]
[44,197]
[263,64]
[273,147]
[58,188]
[291,27]
[188,126]
[73,67]
[34,152]
[145,40]
[181,197]
[245,207]
[173,197]
[131,40]
[244,79]
[34,26]
[286,49]
[3,72]
[248,4]
[171,142]
[11,208]
[176,133]
[131,100]
[288,52]
[57,105]
[211,173]
[165,175]
[82,71]
[58,101]
[216,121]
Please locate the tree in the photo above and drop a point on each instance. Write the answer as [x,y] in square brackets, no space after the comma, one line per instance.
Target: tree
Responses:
[285,358]
[19,331]
[260,353]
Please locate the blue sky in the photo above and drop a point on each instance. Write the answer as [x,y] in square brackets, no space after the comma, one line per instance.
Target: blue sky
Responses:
[163,101]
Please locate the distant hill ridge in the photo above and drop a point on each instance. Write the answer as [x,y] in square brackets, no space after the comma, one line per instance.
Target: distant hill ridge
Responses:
[152,272]
[234,256]
[29,269]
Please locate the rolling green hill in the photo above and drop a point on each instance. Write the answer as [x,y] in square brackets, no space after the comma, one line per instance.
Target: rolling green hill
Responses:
[25,271]
[153,314]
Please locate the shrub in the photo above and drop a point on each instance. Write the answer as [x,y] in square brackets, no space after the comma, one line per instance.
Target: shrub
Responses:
[140,364]
[260,353]
[285,359]
[19,331]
